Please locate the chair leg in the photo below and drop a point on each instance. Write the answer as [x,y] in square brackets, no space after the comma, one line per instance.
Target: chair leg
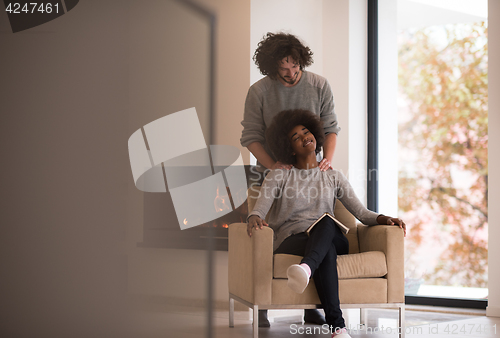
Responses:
[255,321]
[231,312]
[402,322]
[363,317]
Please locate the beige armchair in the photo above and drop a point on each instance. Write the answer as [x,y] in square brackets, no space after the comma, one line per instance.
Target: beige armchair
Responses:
[370,276]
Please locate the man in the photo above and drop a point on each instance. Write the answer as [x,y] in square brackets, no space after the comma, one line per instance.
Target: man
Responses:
[283,58]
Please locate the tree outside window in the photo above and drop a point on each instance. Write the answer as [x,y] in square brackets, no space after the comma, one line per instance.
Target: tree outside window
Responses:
[443,133]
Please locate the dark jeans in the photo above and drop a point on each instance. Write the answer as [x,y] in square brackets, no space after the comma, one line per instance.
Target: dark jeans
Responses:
[320,251]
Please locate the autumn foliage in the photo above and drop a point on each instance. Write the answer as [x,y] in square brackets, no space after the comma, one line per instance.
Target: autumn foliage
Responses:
[443,133]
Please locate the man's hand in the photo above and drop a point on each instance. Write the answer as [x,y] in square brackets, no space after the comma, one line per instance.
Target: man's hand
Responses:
[255,222]
[257,149]
[324,165]
[279,165]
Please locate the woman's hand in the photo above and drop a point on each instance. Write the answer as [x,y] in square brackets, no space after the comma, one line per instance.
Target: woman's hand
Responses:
[382,219]
[279,165]
[255,222]
[325,164]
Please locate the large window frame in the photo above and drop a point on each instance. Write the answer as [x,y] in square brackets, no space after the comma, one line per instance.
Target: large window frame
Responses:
[372,187]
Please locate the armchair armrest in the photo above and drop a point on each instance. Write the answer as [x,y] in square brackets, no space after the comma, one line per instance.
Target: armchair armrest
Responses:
[250,262]
[390,240]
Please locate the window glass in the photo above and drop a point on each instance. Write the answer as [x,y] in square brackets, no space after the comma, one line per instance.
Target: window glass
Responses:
[443,146]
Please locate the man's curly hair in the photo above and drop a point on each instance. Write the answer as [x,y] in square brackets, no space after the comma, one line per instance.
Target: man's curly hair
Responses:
[275,47]
[283,123]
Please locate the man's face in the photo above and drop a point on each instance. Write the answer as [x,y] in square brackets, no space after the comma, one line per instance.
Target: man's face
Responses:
[288,71]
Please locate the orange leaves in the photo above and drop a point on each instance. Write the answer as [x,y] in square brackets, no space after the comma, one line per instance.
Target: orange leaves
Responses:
[444,140]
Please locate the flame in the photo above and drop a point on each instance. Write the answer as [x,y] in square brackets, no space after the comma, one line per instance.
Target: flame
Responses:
[225,226]
[221,203]
[185,221]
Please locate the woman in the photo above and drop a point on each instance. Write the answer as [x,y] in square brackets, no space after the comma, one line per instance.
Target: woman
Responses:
[301,195]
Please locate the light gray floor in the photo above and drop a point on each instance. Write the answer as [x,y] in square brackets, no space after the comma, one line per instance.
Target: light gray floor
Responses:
[164,320]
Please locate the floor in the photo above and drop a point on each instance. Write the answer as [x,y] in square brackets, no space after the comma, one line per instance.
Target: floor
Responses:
[164,320]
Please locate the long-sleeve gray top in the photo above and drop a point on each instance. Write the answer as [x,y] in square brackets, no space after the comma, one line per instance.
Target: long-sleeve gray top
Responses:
[301,196]
[268,97]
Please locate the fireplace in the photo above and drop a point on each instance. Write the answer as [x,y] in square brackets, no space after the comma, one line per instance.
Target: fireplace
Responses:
[161,228]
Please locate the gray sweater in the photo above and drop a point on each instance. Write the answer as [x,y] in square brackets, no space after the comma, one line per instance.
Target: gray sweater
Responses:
[300,196]
[268,97]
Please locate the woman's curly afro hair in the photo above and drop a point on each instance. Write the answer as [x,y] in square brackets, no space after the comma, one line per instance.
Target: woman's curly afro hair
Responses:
[275,47]
[283,123]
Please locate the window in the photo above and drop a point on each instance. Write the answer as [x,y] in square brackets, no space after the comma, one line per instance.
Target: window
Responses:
[439,109]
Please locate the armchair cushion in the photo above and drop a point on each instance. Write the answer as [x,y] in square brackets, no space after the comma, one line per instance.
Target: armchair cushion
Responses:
[370,264]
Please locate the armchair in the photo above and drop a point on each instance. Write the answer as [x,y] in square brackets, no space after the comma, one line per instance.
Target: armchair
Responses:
[370,276]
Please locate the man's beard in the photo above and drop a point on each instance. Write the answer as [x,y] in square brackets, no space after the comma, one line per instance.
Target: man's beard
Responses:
[292,80]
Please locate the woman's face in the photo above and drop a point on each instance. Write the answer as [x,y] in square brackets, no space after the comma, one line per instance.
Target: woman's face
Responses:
[302,140]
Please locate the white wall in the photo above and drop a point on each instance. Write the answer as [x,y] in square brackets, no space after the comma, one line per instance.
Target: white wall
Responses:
[299,17]
[388,109]
[345,55]
[493,158]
